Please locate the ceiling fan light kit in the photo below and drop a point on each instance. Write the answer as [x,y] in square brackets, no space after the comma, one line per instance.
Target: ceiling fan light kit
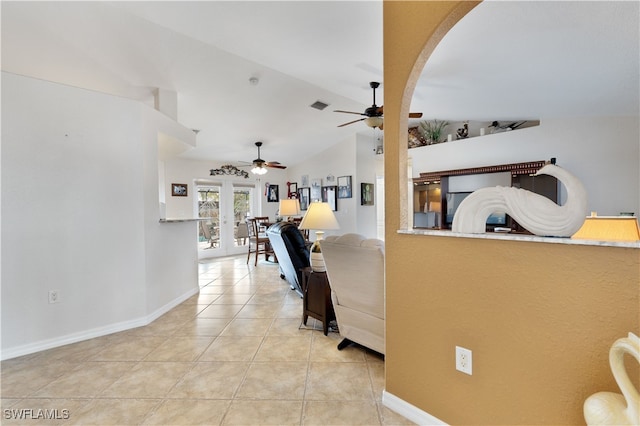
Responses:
[259,170]
[373,122]
[260,166]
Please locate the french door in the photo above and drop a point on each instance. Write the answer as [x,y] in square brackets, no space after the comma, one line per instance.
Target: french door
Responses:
[224,206]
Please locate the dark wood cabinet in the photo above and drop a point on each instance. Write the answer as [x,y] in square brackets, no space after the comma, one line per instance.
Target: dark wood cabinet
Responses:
[316,298]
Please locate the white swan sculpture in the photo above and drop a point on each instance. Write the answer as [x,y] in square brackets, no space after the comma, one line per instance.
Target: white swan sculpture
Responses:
[608,408]
[534,212]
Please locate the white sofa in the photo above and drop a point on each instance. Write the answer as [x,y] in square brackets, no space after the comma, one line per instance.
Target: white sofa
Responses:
[355,269]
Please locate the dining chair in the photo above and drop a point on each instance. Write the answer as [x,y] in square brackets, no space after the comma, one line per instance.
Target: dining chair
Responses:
[263,223]
[258,241]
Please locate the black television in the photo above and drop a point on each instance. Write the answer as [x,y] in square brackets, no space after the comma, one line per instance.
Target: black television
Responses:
[453,202]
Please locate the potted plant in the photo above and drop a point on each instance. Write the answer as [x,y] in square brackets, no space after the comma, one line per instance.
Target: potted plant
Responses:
[433,131]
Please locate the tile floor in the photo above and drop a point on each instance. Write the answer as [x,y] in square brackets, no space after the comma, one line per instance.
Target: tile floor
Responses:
[235,354]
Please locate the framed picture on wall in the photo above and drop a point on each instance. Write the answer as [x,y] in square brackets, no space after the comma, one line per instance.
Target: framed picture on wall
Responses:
[316,190]
[292,189]
[272,194]
[344,187]
[179,189]
[330,195]
[366,194]
[304,196]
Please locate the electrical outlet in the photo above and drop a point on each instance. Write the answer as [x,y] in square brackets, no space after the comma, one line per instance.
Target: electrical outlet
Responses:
[54,296]
[464,360]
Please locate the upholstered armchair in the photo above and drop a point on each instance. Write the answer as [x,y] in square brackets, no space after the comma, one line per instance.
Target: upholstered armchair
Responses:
[355,269]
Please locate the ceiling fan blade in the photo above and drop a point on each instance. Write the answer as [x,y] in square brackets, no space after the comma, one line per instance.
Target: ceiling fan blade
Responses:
[348,112]
[380,110]
[275,165]
[415,114]
[351,122]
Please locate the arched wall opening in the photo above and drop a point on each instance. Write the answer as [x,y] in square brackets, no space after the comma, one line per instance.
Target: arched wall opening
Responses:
[513,303]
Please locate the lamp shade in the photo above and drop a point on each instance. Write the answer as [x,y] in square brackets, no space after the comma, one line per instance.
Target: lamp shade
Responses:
[609,228]
[319,216]
[289,207]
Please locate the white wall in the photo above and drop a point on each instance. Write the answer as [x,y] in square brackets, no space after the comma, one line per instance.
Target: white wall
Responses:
[171,257]
[179,170]
[354,156]
[79,211]
[603,152]
[337,160]
[369,165]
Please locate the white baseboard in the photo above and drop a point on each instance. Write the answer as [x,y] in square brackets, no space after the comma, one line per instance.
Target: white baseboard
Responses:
[409,411]
[172,304]
[94,332]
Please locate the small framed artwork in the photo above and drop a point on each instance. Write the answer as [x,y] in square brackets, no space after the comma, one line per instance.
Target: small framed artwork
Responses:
[344,187]
[366,194]
[303,196]
[304,181]
[330,195]
[178,189]
[292,191]
[316,190]
[272,194]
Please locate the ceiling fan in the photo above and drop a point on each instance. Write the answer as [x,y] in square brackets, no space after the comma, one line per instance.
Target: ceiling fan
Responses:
[260,166]
[373,114]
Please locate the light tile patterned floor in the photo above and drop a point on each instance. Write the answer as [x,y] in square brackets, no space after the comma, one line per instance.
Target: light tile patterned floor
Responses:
[235,354]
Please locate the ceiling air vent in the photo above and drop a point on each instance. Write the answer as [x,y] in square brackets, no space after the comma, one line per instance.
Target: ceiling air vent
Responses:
[319,105]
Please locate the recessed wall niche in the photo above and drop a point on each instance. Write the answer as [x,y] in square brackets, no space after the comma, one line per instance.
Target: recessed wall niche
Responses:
[457,130]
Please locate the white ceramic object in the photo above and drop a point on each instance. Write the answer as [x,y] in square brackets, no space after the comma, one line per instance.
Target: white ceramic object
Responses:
[534,212]
[608,408]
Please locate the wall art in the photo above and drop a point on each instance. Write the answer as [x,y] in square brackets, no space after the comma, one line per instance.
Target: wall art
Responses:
[344,187]
[179,189]
[366,194]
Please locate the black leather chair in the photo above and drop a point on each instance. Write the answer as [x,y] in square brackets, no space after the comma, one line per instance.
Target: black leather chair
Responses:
[293,254]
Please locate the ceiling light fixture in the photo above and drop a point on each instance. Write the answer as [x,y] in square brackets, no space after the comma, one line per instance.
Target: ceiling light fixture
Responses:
[259,169]
[259,165]
[373,121]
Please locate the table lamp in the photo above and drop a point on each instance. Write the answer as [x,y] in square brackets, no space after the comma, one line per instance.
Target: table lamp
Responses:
[319,217]
[609,228]
[289,207]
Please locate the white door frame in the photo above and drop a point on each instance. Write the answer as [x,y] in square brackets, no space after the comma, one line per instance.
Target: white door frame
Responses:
[226,245]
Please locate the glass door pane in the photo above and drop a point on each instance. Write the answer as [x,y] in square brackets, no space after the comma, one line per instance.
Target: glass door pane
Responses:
[242,198]
[209,208]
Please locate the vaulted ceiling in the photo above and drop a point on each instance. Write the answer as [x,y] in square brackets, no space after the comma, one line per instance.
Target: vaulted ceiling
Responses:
[504,60]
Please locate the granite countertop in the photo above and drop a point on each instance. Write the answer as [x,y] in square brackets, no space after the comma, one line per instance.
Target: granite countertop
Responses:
[186,219]
[520,237]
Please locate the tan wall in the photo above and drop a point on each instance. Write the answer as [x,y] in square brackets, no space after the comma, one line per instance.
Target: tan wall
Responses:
[539,318]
